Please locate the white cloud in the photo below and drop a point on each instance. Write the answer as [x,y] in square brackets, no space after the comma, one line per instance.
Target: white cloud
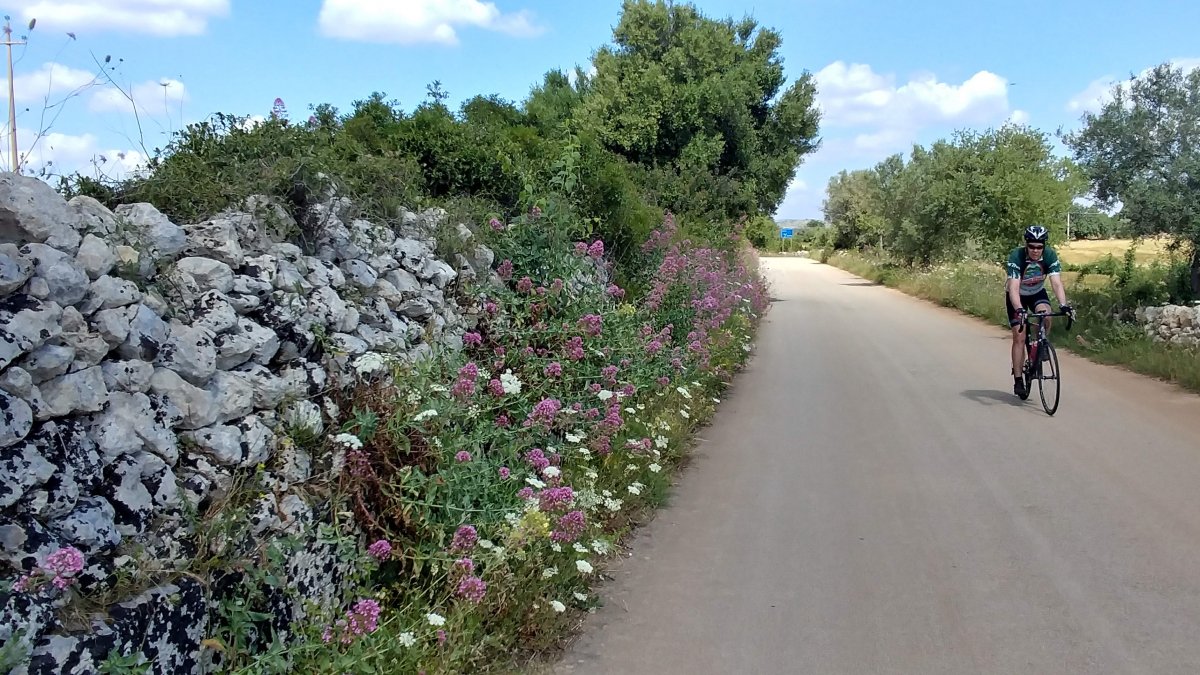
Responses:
[64,154]
[1019,117]
[416,21]
[855,95]
[52,78]
[164,18]
[160,97]
[1099,91]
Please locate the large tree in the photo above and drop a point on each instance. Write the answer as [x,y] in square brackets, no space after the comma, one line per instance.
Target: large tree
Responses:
[1142,151]
[702,105]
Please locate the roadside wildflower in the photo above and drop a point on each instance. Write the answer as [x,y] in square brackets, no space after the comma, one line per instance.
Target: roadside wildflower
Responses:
[407,639]
[462,456]
[349,440]
[558,606]
[380,550]
[471,588]
[472,339]
[583,566]
[424,415]
[464,539]
[510,383]
[435,619]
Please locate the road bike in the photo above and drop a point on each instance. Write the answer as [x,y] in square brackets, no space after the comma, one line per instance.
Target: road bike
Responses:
[1042,360]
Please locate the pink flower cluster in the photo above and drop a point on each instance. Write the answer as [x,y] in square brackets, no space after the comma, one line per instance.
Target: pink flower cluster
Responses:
[363,618]
[465,385]
[543,413]
[465,538]
[380,550]
[570,527]
[62,566]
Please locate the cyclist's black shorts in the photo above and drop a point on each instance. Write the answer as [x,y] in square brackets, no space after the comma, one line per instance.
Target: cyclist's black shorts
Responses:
[1029,302]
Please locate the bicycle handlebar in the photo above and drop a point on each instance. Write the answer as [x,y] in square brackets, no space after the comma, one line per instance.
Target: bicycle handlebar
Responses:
[1030,315]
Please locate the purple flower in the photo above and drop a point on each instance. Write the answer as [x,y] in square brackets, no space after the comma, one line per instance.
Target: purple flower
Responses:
[570,527]
[491,307]
[575,349]
[544,412]
[505,270]
[537,459]
[555,498]
[596,250]
[609,373]
[504,473]
[496,224]
[592,323]
[581,248]
[464,566]
[615,291]
[554,369]
[464,539]
[462,456]
[380,550]
[525,493]
[525,285]
[473,339]
[472,589]
[495,387]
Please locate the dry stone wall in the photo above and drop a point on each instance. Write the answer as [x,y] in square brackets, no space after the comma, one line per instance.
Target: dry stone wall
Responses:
[144,364]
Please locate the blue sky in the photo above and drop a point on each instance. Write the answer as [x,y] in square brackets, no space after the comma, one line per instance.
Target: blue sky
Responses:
[890,73]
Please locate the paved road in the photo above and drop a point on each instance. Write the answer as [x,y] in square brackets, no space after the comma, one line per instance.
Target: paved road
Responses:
[871,499]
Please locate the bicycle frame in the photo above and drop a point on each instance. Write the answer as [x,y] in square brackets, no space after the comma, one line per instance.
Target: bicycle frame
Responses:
[1032,345]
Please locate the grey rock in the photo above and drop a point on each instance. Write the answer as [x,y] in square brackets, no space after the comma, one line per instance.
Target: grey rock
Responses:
[269,389]
[303,380]
[233,349]
[112,325]
[217,239]
[233,394]
[189,351]
[91,526]
[127,376]
[209,274]
[72,321]
[438,273]
[214,312]
[262,269]
[25,543]
[48,362]
[147,333]
[110,293]
[56,277]
[123,488]
[21,467]
[404,282]
[303,415]
[382,264]
[161,306]
[378,340]
[83,391]
[360,274]
[222,443]
[32,212]
[416,308]
[411,253]
[295,515]
[94,217]
[95,256]
[90,349]
[327,307]
[153,233]
[420,353]
[257,440]
[289,278]
[322,273]
[294,463]
[387,292]
[17,382]
[266,342]
[198,407]
[133,421]
[349,344]
[15,270]
[285,251]
[262,515]
[244,304]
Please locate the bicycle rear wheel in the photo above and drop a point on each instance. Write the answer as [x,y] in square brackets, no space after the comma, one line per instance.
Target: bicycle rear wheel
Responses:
[1049,382]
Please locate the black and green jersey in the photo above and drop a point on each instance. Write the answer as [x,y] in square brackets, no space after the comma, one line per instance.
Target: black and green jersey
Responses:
[1032,273]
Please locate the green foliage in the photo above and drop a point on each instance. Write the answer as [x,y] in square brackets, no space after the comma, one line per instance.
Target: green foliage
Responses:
[979,190]
[1143,150]
[702,105]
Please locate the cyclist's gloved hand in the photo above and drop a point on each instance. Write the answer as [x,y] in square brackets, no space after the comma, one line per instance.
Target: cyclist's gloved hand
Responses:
[1068,309]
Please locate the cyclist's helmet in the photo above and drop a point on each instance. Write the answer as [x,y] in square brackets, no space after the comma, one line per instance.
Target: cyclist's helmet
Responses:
[1036,233]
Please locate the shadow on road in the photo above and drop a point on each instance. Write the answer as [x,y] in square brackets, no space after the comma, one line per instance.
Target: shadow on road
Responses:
[859,283]
[993,397]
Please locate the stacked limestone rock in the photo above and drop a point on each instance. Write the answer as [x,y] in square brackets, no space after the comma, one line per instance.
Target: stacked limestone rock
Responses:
[1173,324]
[143,363]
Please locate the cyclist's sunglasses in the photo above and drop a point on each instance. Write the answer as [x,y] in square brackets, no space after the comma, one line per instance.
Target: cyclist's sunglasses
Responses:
[1036,247]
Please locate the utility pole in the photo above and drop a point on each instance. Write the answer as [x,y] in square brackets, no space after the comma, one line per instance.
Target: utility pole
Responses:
[12,102]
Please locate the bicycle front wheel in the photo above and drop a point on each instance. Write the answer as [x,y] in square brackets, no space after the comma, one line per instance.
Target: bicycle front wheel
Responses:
[1049,382]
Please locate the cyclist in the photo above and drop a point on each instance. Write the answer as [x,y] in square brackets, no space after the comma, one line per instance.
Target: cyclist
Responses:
[1025,289]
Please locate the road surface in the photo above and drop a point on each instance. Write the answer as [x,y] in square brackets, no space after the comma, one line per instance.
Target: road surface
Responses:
[871,498]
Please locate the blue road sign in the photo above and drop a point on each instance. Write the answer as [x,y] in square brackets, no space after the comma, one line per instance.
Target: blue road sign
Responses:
[786,232]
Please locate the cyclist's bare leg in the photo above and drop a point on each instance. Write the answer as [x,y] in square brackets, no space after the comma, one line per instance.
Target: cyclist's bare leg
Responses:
[1018,350]
[1044,308]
